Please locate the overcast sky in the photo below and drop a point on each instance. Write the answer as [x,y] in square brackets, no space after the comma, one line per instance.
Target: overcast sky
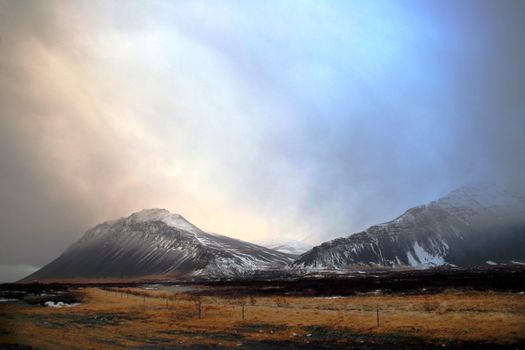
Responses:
[262,120]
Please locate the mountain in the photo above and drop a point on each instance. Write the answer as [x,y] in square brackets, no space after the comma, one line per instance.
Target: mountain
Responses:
[470,226]
[155,242]
[291,247]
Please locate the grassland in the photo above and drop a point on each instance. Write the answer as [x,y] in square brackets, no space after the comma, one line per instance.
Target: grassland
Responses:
[117,318]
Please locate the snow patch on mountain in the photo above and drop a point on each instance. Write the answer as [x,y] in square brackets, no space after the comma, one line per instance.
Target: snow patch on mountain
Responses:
[469,226]
[291,247]
[423,258]
[157,242]
[170,219]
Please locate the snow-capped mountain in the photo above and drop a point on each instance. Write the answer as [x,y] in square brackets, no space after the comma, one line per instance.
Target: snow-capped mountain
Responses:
[291,247]
[470,226]
[156,242]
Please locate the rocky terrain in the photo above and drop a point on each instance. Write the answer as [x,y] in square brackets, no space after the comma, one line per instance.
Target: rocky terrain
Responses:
[471,226]
[156,242]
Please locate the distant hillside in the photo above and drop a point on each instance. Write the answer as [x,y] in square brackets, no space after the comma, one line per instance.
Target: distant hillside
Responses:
[157,242]
[470,226]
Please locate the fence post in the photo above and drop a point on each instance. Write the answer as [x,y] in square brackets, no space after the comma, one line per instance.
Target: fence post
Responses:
[377,315]
[243,312]
[200,309]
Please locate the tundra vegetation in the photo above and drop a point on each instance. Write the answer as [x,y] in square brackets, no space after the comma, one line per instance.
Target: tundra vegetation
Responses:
[118,318]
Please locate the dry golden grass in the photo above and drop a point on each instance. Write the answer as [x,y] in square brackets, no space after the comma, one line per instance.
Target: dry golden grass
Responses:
[120,318]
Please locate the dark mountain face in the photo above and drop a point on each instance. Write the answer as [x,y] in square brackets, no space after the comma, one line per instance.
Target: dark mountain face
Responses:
[471,226]
[156,242]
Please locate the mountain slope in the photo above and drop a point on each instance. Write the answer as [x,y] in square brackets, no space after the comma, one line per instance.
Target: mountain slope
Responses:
[471,226]
[157,242]
[291,247]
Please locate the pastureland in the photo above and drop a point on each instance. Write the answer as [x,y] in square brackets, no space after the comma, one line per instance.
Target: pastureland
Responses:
[132,317]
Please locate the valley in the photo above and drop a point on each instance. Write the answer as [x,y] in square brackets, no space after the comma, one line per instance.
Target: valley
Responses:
[471,226]
[446,274]
[462,309]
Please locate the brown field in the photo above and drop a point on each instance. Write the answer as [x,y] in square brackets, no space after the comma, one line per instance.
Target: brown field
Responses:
[135,318]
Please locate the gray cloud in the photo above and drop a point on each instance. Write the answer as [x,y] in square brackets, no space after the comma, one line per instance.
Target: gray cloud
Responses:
[310,122]
[13,273]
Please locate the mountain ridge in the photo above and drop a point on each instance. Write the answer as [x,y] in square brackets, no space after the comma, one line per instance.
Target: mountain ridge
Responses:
[455,230]
[469,226]
[157,242]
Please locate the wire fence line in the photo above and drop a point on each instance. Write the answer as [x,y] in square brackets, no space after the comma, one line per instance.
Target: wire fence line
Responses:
[212,306]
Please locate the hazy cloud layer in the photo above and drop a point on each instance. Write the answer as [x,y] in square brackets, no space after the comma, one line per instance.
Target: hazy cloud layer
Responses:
[303,120]
[11,273]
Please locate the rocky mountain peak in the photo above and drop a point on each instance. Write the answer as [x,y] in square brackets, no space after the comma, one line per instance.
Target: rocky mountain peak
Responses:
[468,226]
[170,219]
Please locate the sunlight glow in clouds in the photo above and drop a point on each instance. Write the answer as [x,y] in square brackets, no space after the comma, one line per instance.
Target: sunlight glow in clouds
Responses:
[298,120]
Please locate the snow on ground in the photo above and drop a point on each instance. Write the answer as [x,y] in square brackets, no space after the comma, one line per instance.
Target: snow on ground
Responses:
[332,297]
[6,300]
[60,304]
